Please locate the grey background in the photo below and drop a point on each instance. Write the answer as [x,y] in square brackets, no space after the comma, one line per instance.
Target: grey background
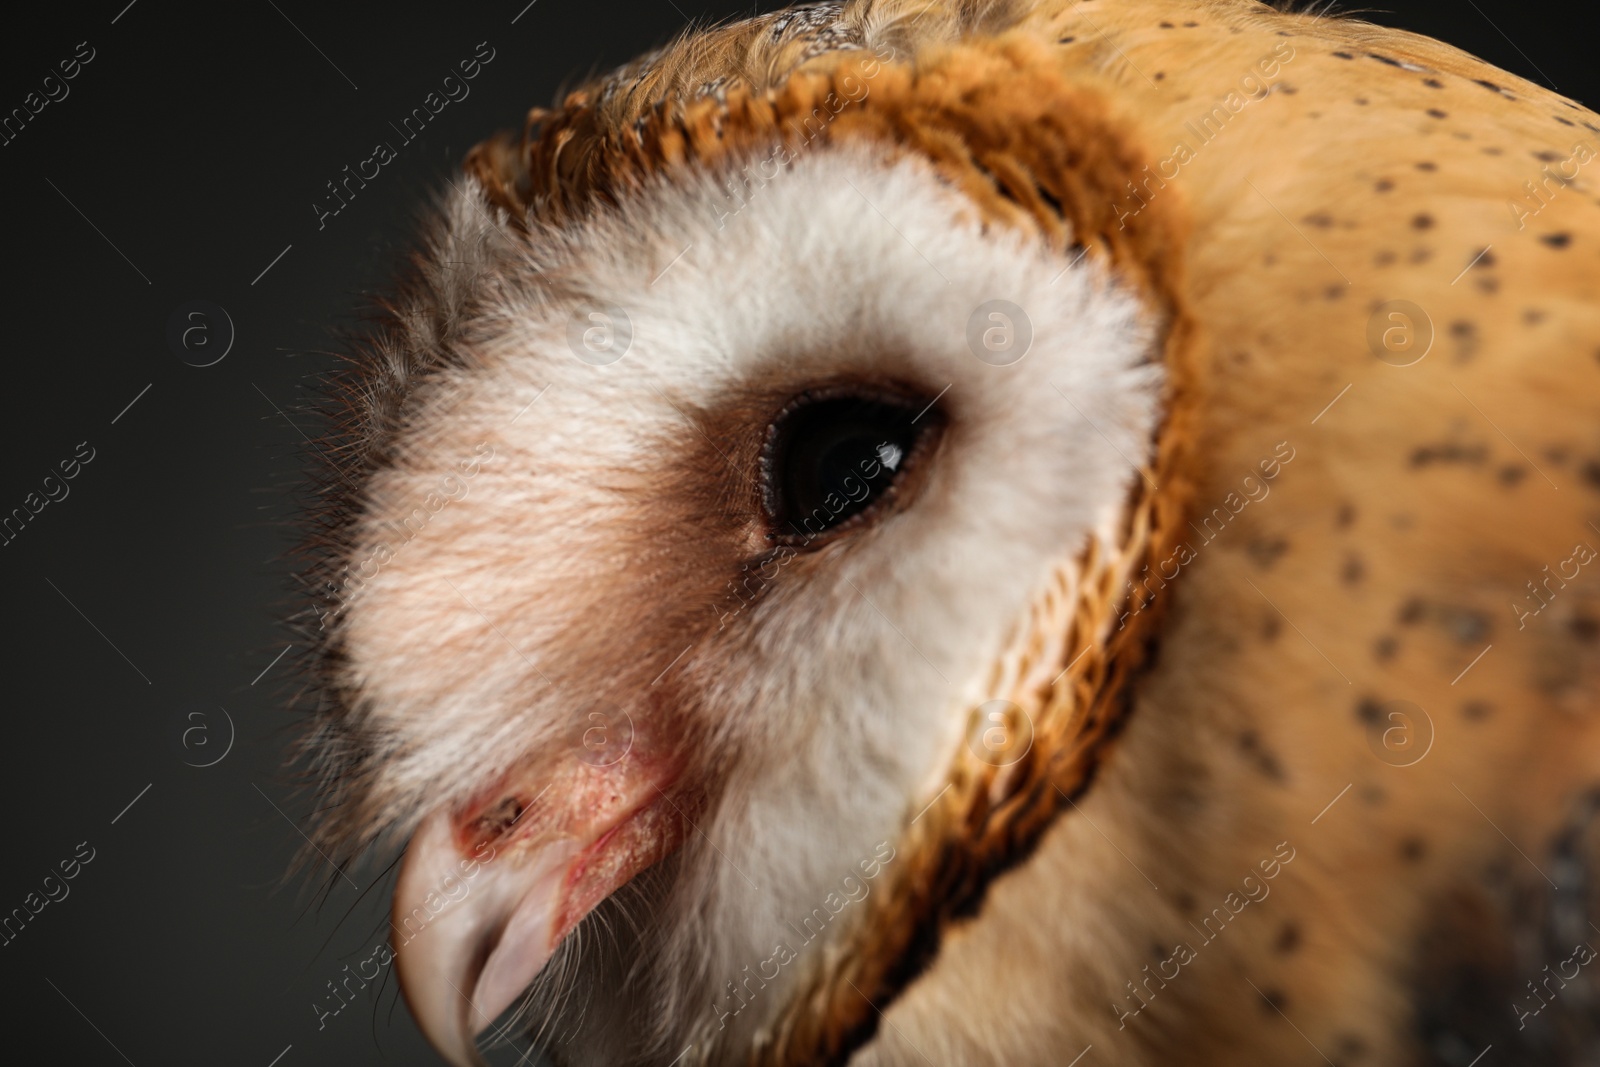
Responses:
[185,159]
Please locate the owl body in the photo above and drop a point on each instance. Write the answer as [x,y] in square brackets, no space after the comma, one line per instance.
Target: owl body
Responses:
[1381,182]
[1273,546]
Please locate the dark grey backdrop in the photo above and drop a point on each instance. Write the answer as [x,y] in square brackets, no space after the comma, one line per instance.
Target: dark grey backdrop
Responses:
[181,165]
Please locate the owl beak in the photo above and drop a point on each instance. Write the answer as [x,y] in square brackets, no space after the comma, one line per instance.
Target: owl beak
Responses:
[469,937]
[475,921]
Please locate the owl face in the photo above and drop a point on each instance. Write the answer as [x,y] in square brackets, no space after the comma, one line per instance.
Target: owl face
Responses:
[690,564]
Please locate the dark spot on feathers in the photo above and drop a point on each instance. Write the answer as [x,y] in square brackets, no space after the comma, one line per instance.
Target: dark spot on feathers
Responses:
[1383,59]
[1383,258]
[1333,292]
[1493,151]
[1369,711]
[1547,156]
[1433,83]
[1265,551]
[1288,939]
[1353,570]
[1320,219]
[1276,1001]
[1165,25]
[1270,628]
[1260,757]
[1468,627]
[1448,452]
[1556,240]
[1412,849]
[1435,113]
[1349,1048]
[1591,472]
[1476,710]
[1423,221]
[1420,255]
[1585,627]
[1532,316]
[1563,120]
[1066,40]
[1491,86]
[1489,284]
[1344,516]
[1384,648]
[1465,336]
[1427,165]
[1344,55]
[1361,101]
[1511,475]
[1186,787]
[1383,185]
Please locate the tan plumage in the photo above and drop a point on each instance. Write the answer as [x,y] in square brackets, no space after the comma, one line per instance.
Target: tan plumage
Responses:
[1267,186]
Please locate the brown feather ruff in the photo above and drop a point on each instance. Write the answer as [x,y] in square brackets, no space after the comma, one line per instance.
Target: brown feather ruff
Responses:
[999,121]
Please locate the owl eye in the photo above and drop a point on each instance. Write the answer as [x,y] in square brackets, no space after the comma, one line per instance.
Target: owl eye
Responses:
[833,459]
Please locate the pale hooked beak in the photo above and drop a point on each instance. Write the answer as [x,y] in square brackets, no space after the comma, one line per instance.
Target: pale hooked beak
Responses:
[477,916]
[472,932]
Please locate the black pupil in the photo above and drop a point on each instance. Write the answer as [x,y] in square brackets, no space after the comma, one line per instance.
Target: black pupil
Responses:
[834,459]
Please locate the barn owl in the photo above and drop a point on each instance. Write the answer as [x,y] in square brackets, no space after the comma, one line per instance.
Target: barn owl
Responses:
[906,533]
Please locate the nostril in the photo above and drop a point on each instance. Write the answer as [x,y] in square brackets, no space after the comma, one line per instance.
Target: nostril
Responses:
[495,822]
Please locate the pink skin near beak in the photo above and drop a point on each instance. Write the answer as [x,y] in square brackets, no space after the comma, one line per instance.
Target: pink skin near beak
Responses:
[478,913]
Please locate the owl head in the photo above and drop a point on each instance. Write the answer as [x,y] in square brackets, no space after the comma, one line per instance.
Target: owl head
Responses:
[744,528]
